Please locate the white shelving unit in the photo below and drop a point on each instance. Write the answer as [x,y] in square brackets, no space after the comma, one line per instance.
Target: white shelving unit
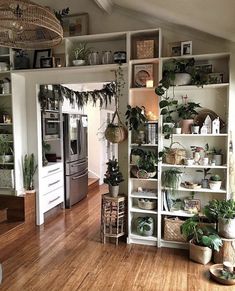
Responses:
[214,97]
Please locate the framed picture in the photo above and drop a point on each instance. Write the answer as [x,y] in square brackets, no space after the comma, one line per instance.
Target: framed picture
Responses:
[142,73]
[192,204]
[76,24]
[215,78]
[186,48]
[174,49]
[204,68]
[47,62]
[39,54]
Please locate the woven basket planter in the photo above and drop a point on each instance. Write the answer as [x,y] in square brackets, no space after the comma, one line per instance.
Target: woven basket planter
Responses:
[175,156]
[148,205]
[172,229]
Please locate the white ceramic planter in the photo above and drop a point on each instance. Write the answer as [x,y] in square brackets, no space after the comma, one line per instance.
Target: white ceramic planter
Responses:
[177,130]
[79,62]
[182,79]
[226,228]
[195,129]
[215,185]
[114,190]
[218,159]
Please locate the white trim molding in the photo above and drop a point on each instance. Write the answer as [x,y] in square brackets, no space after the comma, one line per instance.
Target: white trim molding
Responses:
[105,5]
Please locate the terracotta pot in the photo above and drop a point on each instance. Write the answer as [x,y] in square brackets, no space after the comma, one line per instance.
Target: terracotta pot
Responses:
[199,254]
[186,125]
[226,228]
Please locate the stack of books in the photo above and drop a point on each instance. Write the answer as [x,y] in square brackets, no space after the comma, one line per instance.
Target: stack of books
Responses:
[152,133]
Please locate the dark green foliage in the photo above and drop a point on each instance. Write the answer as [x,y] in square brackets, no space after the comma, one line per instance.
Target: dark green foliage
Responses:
[171,178]
[148,162]
[29,169]
[135,117]
[220,209]
[201,235]
[215,178]
[187,111]
[113,176]
[61,13]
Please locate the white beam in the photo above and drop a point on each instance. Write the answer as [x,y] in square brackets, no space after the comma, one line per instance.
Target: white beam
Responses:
[106,5]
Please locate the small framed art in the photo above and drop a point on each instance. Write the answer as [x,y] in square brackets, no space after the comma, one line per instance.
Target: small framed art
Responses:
[38,55]
[192,205]
[76,24]
[47,62]
[186,48]
[174,49]
[142,74]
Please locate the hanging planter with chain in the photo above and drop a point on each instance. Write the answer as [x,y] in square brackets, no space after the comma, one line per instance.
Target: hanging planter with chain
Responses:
[116,132]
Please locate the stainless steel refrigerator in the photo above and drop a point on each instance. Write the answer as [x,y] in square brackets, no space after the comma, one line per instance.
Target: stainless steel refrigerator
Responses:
[75,158]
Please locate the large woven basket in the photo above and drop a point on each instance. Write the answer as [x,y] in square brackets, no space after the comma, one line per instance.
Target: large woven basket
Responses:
[175,156]
[172,229]
[148,205]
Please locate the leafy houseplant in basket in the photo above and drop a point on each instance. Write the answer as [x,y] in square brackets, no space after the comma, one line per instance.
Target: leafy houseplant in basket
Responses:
[144,226]
[113,177]
[223,212]
[202,240]
[186,113]
[29,169]
[81,53]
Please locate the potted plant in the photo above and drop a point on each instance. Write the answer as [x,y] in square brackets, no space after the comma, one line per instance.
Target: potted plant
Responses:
[147,165]
[202,240]
[29,168]
[168,108]
[113,177]
[205,181]
[172,178]
[135,117]
[215,182]
[145,225]
[222,212]
[195,128]
[81,53]
[217,156]
[6,153]
[187,112]
[136,154]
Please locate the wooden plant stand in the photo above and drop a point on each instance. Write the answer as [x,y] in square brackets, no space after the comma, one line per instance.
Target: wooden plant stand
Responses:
[112,217]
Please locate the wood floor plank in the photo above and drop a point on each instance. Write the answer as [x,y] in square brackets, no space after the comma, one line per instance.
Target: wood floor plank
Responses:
[66,254]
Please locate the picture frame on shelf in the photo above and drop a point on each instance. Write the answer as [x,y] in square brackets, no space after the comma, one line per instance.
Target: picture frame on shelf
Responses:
[59,60]
[76,24]
[186,48]
[38,54]
[204,68]
[174,49]
[47,62]
[142,74]
[192,205]
[215,78]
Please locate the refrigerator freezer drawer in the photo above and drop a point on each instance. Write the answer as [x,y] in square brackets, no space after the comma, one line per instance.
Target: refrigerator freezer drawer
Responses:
[76,188]
[51,183]
[76,167]
[53,198]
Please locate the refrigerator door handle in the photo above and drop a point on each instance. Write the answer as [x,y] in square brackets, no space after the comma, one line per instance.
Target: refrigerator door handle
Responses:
[79,138]
[78,164]
[80,176]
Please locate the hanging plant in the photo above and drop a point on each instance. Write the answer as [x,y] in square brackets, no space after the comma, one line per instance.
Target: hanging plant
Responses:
[59,93]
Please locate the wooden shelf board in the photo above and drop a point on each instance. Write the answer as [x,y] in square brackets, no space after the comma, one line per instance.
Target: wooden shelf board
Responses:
[143,145]
[140,237]
[139,195]
[144,61]
[177,213]
[202,57]
[150,179]
[200,135]
[203,190]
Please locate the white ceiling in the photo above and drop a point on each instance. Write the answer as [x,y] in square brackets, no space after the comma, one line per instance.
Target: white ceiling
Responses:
[216,17]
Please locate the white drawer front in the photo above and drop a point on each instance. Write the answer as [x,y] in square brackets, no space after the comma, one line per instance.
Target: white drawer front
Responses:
[51,183]
[52,169]
[52,199]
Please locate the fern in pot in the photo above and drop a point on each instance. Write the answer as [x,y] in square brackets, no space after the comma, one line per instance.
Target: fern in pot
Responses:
[172,179]
[113,177]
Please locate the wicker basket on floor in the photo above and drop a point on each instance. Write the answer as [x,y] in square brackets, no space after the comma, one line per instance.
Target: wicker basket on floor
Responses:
[172,229]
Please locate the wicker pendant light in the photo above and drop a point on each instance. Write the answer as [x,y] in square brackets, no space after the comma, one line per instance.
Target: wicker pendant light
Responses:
[26,25]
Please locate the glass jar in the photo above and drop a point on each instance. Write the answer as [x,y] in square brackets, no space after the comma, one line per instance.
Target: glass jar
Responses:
[107,57]
[94,59]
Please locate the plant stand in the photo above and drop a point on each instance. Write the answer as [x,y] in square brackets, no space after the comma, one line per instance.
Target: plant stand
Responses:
[226,252]
[113,212]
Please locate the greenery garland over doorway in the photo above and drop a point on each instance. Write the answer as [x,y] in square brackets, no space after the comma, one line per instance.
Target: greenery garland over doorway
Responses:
[60,92]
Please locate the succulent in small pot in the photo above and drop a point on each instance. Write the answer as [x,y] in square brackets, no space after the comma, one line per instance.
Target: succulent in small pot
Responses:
[215,182]
[217,156]
[81,53]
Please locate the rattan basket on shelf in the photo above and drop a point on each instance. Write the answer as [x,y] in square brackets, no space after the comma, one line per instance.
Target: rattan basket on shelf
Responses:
[175,156]
[147,204]
[172,229]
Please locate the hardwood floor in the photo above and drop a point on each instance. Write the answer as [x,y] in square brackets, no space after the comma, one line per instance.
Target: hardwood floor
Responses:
[66,254]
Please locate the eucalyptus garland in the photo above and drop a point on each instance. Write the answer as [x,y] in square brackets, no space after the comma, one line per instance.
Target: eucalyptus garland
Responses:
[59,93]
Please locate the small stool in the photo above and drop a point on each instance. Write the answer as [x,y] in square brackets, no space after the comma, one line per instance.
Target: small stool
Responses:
[113,212]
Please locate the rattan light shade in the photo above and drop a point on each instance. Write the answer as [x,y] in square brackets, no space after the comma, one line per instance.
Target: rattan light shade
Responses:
[26,25]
